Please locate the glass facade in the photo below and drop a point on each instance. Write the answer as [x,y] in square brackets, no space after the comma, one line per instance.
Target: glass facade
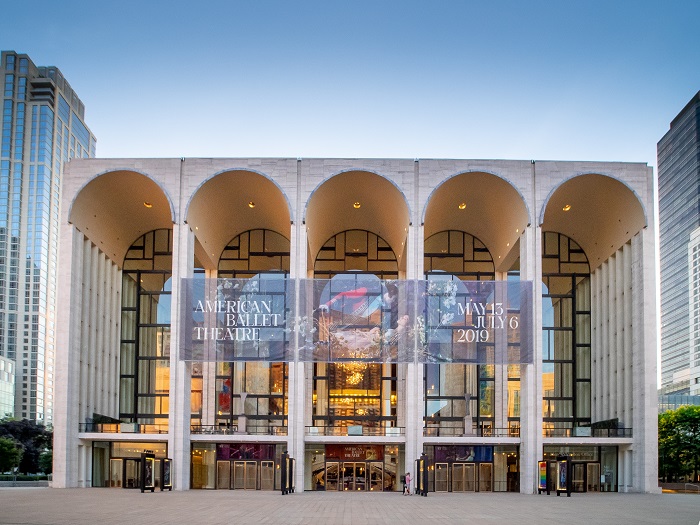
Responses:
[145,336]
[36,111]
[355,394]
[251,393]
[679,214]
[7,387]
[460,398]
[566,336]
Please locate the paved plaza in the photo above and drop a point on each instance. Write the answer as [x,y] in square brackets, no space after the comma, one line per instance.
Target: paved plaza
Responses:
[42,506]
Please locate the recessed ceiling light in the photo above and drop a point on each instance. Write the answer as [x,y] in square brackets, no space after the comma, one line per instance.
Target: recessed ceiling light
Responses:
[507,244]
[462,205]
[517,230]
[567,207]
[148,204]
[251,204]
[356,205]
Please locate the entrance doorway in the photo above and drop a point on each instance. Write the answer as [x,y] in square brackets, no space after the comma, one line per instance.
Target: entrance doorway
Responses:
[485,477]
[354,476]
[245,475]
[463,477]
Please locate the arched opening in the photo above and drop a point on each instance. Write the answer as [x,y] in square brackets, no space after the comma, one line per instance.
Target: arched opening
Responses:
[117,207]
[231,203]
[361,201]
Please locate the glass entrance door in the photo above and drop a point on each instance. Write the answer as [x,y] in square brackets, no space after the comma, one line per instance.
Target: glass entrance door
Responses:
[578,481]
[485,477]
[593,477]
[267,475]
[116,473]
[245,475]
[132,473]
[223,474]
[376,476]
[354,476]
[463,477]
[441,475]
[332,476]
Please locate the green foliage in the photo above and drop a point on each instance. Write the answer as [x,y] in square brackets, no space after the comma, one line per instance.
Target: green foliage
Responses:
[10,454]
[46,462]
[34,440]
[679,443]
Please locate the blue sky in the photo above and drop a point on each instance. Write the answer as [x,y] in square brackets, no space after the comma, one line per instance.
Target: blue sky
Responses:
[572,80]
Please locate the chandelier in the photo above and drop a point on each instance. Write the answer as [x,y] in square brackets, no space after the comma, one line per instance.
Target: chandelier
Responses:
[354,371]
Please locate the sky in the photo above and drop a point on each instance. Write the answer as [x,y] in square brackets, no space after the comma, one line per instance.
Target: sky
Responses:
[570,80]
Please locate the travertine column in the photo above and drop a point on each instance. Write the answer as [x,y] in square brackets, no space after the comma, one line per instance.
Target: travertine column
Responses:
[530,374]
[180,371]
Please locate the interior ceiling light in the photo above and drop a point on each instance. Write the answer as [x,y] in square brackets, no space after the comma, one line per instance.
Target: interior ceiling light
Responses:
[148,204]
[356,205]
[251,204]
[462,205]
[567,207]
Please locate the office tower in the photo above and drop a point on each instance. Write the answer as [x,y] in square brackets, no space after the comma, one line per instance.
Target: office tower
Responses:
[42,127]
[679,215]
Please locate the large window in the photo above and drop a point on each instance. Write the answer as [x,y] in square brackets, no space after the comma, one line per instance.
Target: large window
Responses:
[566,336]
[145,338]
[459,398]
[355,393]
[256,390]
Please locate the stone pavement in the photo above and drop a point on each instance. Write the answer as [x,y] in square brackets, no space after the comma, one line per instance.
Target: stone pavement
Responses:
[43,506]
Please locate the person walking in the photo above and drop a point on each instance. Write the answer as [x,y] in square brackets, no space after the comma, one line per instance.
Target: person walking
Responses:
[407,485]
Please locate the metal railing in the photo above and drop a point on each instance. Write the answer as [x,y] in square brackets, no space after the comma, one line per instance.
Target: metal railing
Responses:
[123,428]
[264,430]
[354,430]
[588,432]
[478,432]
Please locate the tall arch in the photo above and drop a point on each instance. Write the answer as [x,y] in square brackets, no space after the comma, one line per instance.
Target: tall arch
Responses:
[116,207]
[599,212]
[358,200]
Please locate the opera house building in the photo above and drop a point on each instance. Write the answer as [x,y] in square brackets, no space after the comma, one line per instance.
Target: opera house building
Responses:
[333,324]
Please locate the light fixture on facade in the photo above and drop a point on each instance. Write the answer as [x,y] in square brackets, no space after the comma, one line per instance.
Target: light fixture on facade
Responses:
[251,204]
[148,204]
[356,205]
[462,205]
[567,207]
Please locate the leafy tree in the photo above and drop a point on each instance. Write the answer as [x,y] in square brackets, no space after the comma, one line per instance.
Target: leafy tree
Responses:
[46,462]
[10,454]
[33,438]
[679,443]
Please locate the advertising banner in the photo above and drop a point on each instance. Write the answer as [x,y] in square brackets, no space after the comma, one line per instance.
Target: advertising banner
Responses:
[356,317]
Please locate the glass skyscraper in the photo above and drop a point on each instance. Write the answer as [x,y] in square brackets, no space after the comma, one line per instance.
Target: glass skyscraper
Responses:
[679,215]
[42,127]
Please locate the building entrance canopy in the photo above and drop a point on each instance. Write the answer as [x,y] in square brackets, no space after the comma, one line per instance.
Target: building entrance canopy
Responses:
[356,317]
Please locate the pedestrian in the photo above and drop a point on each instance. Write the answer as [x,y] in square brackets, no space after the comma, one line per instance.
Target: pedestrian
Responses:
[407,486]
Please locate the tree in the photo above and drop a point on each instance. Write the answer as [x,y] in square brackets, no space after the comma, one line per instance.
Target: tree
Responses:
[10,454]
[679,443]
[33,438]
[46,462]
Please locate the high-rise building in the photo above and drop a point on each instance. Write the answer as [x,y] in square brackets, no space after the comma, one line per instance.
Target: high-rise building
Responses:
[679,215]
[42,127]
